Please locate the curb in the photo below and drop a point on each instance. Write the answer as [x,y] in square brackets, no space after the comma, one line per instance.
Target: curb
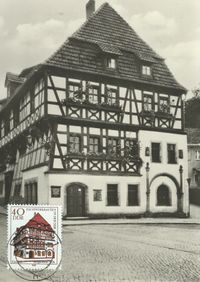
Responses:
[129,223]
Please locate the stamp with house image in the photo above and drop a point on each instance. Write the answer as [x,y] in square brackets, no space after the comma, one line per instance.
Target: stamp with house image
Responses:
[34,237]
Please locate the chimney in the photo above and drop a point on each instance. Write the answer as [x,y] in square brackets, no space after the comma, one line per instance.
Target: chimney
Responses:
[90,8]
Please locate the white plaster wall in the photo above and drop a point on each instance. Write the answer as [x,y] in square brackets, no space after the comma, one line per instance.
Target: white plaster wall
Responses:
[42,182]
[145,138]
[100,182]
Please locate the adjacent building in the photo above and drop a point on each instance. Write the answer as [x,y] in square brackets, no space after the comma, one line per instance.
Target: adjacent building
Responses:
[98,127]
[194,157]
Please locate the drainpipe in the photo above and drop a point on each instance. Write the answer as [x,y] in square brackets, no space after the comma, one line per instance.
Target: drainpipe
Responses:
[180,192]
[147,189]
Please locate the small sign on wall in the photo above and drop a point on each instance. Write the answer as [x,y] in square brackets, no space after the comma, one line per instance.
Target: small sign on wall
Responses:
[55,191]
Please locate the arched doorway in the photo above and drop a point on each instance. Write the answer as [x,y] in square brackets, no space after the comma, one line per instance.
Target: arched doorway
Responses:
[163,196]
[76,200]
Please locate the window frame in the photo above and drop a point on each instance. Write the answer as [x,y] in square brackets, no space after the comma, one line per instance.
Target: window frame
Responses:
[113,202]
[1,188]
[164,98]
[153,160]
[151,96]
[111,98]
[137,203]
[99,144]
[93,87]
[146,70]
[117,152]
[74,84]
[75,135]
[174,161]
[197,153]
[109,64]
[127,153]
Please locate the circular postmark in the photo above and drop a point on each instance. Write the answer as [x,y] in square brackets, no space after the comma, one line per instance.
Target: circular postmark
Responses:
[31,272]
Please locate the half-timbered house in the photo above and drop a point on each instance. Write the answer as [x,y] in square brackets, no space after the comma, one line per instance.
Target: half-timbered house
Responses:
[34,240]
[98,127]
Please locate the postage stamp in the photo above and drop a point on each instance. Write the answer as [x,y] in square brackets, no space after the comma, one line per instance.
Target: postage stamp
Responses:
[34,237]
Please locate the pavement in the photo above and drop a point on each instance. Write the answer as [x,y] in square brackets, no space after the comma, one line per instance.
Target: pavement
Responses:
[114,250]
[193,219]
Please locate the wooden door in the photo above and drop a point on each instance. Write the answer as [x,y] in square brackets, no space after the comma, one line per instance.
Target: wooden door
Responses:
[75,201]
[31,254]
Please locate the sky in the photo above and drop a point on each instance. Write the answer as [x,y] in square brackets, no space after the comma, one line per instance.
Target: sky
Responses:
[31,30]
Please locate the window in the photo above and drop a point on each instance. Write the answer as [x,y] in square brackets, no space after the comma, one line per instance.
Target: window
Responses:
[197,155]
[11,120]
[163,196]
[74,144]
[55,191]
[131,148]
[97,195]
[113,146]
[2,128]
[93,93]
[111,96]
[1,187]
[155,152]
[75,91]
[112,195]
[24,107]
[17,190]
[133,199]
[31,193]
[148,102]
[94,144]
[146,70]
[164,105]
[171,152]
[7,126]
[16,114]
[111,63]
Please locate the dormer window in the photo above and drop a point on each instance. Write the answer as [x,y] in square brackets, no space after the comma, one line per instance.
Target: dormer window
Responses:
[111,63]
[146,70]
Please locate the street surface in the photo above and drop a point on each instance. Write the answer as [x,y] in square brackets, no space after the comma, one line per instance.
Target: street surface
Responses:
[123,253]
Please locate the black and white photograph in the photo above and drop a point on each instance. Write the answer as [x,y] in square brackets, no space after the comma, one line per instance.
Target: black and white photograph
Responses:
[100,116]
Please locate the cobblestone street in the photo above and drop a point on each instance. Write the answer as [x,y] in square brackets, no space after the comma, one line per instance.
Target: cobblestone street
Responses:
[126,253]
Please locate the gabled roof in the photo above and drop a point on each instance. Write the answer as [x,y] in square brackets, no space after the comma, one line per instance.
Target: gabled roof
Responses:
[11,77]
[109,31]
[38,222]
